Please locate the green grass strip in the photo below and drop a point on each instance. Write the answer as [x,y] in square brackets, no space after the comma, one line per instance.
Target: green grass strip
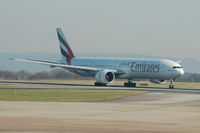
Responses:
[63,95]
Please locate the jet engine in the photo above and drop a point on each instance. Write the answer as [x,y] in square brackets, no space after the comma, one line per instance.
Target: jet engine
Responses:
[104,76]
[157,81]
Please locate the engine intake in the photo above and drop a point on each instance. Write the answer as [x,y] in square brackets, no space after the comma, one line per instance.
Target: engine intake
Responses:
[105,76]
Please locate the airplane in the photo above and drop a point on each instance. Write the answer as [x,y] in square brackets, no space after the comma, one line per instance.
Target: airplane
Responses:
[106,70]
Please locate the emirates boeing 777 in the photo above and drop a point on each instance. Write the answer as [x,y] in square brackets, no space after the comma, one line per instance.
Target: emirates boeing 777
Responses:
[106,70]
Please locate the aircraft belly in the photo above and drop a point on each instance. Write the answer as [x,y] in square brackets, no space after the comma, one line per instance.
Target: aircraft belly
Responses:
[144,75]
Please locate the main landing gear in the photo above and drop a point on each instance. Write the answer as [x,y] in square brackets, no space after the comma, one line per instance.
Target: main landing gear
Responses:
[171,85]
[129,84]
[99,84]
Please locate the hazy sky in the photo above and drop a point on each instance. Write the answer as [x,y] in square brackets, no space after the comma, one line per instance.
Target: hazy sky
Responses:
[167,28]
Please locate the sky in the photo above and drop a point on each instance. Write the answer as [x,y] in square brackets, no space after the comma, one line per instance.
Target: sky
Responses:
[165,28]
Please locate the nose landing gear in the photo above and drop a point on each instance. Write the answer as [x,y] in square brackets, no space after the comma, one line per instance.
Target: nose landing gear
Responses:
[171,86]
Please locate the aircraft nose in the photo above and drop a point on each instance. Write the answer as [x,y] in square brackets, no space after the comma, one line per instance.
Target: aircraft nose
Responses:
[180,72]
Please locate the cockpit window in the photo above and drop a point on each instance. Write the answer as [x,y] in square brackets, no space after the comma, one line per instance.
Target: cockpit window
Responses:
[175,67]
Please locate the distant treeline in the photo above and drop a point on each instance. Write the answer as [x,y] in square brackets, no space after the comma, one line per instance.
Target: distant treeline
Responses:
[62,74]
[25,75]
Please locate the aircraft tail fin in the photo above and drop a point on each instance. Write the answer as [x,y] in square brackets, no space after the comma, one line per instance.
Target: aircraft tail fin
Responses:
[67,53]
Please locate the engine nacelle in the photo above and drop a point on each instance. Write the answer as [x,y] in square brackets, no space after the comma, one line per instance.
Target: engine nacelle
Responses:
[105,76]
[157,81]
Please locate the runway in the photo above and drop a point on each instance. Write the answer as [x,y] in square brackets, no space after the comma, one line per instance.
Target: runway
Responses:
[154,112]
[84,86]
[160,110]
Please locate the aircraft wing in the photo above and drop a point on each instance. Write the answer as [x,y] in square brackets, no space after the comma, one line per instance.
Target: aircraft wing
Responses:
[68,67]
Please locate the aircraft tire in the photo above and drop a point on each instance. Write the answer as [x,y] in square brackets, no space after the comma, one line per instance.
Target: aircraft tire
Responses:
[171,86]
[128,84]
[99,84]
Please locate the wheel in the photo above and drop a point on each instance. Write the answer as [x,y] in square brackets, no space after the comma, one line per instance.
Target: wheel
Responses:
[99,84]
[134,84]
[171,86]
[129,84]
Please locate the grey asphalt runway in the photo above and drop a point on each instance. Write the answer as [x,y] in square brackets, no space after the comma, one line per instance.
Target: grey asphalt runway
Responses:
[159,111]
[84,86]
[153,112]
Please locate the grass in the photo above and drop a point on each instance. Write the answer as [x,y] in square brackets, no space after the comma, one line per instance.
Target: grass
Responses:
[63,95]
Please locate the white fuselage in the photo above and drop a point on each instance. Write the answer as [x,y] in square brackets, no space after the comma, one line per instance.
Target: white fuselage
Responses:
[162,69]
